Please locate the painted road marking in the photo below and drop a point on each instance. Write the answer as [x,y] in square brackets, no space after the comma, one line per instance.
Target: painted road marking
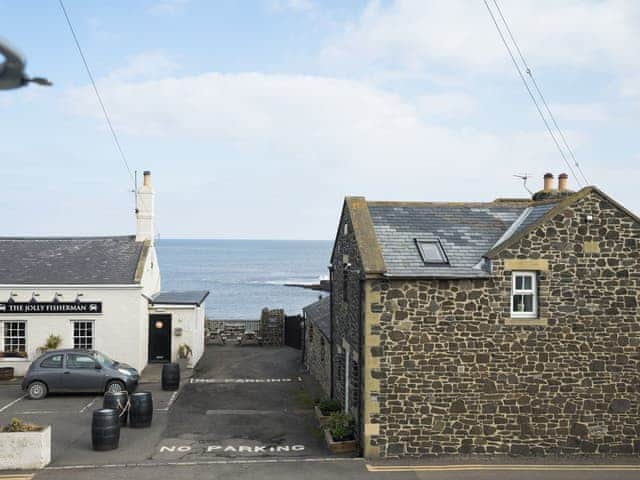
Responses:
[88,405]
[37,412]
[245,412]
[244,380]
[234,449]
[206,462]
[171,400]
[11,403]
[22,476]
[460,468]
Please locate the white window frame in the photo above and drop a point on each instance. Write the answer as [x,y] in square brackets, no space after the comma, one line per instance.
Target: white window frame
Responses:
[533,291]
[26,333]
[93,334]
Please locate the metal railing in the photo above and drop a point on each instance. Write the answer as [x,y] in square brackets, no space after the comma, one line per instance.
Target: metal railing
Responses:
[245,325]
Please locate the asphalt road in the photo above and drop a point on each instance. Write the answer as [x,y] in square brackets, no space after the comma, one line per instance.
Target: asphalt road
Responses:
[335,469]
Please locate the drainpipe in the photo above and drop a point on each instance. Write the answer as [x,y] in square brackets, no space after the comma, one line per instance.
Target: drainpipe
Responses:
[361,371]
[331,352]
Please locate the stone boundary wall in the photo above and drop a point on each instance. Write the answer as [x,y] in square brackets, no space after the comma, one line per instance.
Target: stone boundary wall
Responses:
[318,356]
[272,327]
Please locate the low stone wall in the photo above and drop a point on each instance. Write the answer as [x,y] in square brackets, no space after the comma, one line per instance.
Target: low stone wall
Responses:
[272,327]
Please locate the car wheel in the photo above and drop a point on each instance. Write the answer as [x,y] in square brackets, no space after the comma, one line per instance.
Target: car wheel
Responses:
[37,390]
[115,386]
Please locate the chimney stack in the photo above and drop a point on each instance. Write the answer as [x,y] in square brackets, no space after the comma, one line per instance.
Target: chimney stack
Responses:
[548,182]
[563,178]
[145,210]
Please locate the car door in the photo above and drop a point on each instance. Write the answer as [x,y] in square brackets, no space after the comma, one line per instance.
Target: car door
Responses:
[50,371]
[81,374]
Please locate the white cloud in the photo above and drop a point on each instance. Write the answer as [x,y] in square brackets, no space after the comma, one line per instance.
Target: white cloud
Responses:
[413,33]
[580,112]
[167,7]
[144,66]
[446,105]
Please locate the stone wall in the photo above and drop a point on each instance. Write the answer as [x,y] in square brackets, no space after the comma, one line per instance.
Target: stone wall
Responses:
[272,327]
[346,315]
[317,353]
[458,375]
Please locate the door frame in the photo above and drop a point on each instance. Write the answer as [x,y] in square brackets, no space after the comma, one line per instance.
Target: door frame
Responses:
[168,318]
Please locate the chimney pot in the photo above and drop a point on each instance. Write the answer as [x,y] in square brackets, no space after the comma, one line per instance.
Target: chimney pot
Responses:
[562,182]
[146,175]
[548,182]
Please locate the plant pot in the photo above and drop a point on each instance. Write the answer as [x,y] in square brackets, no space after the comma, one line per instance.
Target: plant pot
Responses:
[25,450]
[6,373]
[344,446]
[322,419]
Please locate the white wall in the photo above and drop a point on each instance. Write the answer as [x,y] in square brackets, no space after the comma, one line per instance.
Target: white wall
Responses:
[191,319]
[119,331]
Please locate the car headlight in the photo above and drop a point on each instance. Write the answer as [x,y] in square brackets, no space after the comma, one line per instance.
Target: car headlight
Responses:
[124,372]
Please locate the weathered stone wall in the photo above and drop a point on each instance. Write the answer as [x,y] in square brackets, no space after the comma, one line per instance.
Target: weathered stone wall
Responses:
[458,375]
[317,352]
[346,315]
[272,327]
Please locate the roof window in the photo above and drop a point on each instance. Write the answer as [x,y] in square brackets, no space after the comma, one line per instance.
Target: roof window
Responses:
[432,252]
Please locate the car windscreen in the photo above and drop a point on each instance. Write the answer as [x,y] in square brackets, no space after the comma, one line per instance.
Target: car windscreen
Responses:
[105,361]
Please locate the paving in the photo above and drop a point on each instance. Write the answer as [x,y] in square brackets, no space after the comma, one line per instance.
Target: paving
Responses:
[243,402]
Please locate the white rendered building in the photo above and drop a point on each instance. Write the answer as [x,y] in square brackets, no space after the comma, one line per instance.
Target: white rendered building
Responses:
[100,293]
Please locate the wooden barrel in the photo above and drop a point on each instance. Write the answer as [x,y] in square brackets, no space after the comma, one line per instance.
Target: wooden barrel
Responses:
[6,373]
[141,410]
[105,429]
[117,401]
[171,376]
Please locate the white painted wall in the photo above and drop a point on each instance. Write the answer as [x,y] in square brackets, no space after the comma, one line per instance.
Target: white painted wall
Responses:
[191,319]
[117,330]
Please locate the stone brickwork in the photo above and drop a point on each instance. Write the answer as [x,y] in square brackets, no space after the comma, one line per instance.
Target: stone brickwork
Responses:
[317,356]
[458,375]
[346,315]
[272,327]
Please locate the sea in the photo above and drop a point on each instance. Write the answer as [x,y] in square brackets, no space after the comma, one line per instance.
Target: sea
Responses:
[245,276]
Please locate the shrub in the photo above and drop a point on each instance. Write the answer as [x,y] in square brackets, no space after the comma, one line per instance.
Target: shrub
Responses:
[17,425]
[184,351]
[328,406]
[341,426]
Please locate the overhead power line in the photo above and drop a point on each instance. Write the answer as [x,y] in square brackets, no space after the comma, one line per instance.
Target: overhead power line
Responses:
[528,88]
[539,91]
[95,89]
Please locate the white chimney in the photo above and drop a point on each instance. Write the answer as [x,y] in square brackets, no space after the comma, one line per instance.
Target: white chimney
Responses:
[144,210]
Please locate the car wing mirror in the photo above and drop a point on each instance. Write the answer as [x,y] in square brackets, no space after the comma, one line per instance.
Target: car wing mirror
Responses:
[98,366]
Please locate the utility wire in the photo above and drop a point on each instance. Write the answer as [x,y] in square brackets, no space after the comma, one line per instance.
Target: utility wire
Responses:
[95,88]
[526,84]
[539,91]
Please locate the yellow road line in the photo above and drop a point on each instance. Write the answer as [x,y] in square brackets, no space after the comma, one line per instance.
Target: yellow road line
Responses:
[459,468]
[22,476]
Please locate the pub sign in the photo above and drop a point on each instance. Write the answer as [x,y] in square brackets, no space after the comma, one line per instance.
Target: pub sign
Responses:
[49,307]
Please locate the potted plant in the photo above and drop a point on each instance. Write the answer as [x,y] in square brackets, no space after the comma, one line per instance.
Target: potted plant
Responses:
[184,354]
[325,408]
[340,433]
[52,343]
[24,446]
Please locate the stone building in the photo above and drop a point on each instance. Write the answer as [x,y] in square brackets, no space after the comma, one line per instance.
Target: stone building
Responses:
[508,327]
[317,354]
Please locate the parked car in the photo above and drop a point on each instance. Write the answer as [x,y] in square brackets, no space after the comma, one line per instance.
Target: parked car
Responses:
[73,370]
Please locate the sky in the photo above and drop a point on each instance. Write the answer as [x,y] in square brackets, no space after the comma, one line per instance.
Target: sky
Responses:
[256,118]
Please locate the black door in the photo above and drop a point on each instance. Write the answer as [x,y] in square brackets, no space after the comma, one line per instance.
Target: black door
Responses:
[159,338]
[293,331]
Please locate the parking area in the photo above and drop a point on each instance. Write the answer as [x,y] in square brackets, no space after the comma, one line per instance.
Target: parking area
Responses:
[70,419]
[243,402]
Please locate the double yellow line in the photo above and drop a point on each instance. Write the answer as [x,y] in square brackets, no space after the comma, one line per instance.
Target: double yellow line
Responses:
[462,468]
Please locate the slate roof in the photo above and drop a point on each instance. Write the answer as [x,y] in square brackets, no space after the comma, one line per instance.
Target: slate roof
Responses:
[186,297]
[529,217]
[70,261]
[465,231]
[320,314]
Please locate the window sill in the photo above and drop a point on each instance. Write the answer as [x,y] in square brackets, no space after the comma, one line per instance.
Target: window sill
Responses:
[14,359]
[526,322]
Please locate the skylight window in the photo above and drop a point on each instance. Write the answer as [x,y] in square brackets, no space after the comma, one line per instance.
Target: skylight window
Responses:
[432,252]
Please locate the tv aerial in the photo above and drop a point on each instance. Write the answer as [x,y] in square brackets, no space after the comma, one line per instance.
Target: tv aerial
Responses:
[524,177]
